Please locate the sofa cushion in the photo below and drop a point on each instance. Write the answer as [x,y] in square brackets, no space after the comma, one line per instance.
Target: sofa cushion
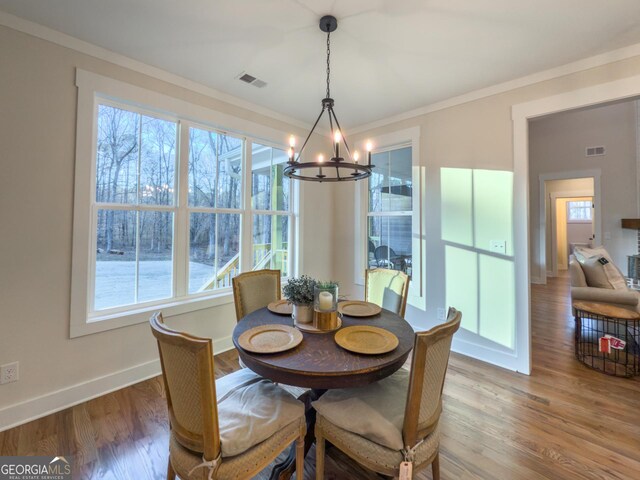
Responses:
[599,269]
[252,409]
[576,273]
[375,412]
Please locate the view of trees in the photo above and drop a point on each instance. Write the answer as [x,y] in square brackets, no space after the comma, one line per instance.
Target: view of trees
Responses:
[215,180]
[136,199]
[136,158]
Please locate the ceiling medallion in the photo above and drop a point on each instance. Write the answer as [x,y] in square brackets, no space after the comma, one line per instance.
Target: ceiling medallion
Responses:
[336,168]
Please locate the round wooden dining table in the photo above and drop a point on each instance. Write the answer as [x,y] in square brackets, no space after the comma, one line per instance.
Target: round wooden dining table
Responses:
[318,362]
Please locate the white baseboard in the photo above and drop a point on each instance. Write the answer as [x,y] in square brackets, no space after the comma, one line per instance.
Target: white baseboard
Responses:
[37,407]
[506,360]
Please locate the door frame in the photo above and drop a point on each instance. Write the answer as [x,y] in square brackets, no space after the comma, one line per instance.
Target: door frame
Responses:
[554,197]
[542,209]
[521,113]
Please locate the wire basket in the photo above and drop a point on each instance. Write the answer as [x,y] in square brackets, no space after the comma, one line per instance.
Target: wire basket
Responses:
[622,337]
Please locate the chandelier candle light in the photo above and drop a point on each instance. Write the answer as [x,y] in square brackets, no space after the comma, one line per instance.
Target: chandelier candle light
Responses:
[335,168]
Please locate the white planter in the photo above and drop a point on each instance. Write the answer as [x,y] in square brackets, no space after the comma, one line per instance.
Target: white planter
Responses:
[302,313]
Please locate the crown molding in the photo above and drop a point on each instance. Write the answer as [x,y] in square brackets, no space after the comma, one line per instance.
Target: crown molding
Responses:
[567,69]
[45,33]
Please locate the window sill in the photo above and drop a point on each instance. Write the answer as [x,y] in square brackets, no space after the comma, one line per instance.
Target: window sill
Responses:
[103,322]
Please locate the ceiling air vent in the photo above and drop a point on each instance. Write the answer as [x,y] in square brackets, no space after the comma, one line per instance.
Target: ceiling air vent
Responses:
[594,151]
[251,80]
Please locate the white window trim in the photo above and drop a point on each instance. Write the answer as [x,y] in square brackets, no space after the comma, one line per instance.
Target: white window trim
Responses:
[93,89]
[401,138]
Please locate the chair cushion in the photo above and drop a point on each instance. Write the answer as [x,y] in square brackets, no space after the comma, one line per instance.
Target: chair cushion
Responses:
[375,412]
[599,269]
[252,409]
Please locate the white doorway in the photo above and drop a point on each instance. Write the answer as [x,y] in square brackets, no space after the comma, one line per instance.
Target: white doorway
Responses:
[569,219]
[521,115]
[564,185]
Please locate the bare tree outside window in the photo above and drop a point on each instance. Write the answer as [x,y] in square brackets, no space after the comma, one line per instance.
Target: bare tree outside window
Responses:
[135,168]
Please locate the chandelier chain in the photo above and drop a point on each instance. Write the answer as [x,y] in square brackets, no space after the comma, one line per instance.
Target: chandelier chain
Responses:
[328,63]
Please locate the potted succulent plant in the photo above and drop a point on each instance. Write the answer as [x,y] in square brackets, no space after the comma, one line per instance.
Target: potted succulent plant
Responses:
[299,292]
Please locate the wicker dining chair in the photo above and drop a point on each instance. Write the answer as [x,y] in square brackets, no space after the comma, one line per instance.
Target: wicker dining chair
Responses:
[377,426]
[387,288]
[234,434]
[255,290]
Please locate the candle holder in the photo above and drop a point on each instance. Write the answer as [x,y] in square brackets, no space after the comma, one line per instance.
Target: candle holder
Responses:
[325,306]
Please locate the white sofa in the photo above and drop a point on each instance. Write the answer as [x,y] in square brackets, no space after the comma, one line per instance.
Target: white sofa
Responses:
[580,291]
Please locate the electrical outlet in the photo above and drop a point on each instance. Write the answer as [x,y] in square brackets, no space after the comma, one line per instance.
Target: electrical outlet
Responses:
[9,373]
[441,314]
[498,246]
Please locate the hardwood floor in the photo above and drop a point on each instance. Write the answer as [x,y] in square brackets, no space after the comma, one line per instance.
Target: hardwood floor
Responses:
[564,421]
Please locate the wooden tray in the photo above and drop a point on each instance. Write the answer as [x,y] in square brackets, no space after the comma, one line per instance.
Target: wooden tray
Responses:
[308,327]
[366,339]
[357,308]
[281,307]
[270,339]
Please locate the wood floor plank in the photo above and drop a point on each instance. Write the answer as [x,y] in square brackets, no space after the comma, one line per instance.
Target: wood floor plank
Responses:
[565,421]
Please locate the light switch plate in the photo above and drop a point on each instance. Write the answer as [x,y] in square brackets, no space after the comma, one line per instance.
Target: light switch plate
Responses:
[498,246]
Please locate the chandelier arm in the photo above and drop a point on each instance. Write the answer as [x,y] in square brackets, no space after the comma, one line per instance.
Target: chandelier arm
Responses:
[344,138]
[330,124]
[310,133]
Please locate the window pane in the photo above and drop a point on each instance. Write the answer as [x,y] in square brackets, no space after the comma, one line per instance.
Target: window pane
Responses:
[270,189]
[389,242]
[228,241]
[157,161]
[117,155]
[229,171]
[390,185]
[202,251]
[281,184]
[271,242]
[378,180]
[579,211]
[398,197]
[115,280]
[202,167]
[205,272]
[155,256]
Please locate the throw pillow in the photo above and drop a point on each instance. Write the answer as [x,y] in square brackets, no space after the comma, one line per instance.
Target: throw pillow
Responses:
[599,269]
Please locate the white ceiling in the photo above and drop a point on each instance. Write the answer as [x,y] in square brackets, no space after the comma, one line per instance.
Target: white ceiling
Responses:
[388,57]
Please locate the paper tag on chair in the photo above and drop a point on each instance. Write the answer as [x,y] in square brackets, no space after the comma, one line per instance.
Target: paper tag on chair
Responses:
[406,470]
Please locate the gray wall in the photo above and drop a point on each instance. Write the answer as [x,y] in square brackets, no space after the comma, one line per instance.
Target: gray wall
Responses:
[557,144]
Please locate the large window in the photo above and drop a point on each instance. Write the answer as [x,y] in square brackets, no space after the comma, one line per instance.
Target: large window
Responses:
[390,210]
[167,210]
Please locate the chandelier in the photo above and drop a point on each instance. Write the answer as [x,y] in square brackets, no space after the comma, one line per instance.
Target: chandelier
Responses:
[336,168]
